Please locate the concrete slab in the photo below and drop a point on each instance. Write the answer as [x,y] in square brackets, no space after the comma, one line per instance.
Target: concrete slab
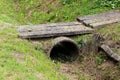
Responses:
[54,29]
[100,20]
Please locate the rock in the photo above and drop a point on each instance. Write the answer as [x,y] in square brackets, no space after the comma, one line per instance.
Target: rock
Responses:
[110,53]
[111,44]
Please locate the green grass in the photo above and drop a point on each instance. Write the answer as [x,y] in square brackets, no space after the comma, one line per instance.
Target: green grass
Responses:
[112,31]
[19,60]
[36,12]
[28,64]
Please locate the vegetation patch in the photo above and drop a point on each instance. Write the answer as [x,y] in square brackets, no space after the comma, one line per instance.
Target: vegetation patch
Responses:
[113,4]
[22,60]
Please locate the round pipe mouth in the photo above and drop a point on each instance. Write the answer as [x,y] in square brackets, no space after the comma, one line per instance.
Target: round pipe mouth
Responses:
[64,49]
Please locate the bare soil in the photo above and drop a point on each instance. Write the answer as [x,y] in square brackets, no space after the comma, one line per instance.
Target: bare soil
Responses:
[92,66]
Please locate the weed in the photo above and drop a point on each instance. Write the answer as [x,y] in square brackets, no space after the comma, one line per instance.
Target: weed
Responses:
[64,2]
[100,59]
[113,4]
[80,58]
[84,77]
[99,67]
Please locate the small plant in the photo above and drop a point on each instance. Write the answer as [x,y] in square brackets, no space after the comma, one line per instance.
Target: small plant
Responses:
[81,58]
[99,67]
[38,47]
[81,43]
[64,2]
[100,59]
[83,40]
[114,4]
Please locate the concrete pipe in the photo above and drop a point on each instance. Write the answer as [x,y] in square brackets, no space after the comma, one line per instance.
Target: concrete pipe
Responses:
[63,49]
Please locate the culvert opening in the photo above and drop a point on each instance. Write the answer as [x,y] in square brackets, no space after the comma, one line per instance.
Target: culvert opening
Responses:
[65,50]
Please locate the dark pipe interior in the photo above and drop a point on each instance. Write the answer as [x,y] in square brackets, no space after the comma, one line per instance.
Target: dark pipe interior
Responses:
[64,51]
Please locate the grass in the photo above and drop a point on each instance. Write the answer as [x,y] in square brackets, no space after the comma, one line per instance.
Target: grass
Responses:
[92,63]
[112,31]
[36,12]
[19,58]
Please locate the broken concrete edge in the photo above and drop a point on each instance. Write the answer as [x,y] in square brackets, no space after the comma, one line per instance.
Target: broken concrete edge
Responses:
[58,42]
[53,30]
[87,20]
[60,39]
[82,18]
[103,24]
[110,53]
[98,26]
[55,35]
[48,25]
